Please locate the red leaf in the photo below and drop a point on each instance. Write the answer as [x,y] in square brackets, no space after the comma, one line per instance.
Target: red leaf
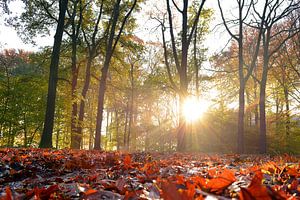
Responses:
[255,190]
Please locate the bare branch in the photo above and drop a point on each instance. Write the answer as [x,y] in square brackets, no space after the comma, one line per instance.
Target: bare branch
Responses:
[225,23]
[174,49]
[123,24]
[174,3]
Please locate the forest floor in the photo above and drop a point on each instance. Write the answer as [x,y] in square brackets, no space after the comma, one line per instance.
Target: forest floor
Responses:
[80,174]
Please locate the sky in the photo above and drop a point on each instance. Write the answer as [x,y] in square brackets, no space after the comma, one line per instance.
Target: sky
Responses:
[216,40]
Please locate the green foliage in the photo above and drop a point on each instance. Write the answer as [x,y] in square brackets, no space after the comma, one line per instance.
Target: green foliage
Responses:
[22,92]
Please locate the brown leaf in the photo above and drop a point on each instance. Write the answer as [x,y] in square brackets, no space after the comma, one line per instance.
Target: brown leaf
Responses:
[170,192]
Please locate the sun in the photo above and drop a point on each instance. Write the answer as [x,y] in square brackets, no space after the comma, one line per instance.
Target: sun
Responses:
[193,108]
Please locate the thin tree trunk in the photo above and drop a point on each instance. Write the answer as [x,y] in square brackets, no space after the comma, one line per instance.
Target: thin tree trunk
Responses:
[181,132]
[287,115]
[125,127]
[130,126]
[57,138]
[46,139]
[262,98]
[25,131]
[107,126]
[196,64]
[117,129]
[256,118]
[287,111]
[262,114]
[102,81]
[75,137]
[277,117]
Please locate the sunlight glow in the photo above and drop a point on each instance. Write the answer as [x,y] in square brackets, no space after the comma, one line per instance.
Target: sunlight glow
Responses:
[193,109]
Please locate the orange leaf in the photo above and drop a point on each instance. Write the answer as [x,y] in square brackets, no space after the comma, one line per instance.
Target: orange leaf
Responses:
[8,193]
[292,171]
[191,190]
[127,161]
[255,190]
[90,191]
[225,179]
[180,179]
[199,180]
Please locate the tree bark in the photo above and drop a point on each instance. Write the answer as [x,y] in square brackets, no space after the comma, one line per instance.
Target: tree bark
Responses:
[46,139]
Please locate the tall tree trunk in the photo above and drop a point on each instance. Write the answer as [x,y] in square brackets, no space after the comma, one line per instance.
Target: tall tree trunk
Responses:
[241,114]
[110,47]
[262,114]
[181,132]
[196,64]
[262,98]
[107,126]
[46,139]
[117,129]
[84,92]
[277,114]
[287,111]
[287,115]
[130,125]
[183,79]
[75,137]
[256,103]
[126,127]
[25,131]
[57,138]
[100,106]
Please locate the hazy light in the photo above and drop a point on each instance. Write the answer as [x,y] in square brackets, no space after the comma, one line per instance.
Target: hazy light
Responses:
[193,109]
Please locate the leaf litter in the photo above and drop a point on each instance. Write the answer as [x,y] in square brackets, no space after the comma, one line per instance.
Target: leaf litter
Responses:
[81,174]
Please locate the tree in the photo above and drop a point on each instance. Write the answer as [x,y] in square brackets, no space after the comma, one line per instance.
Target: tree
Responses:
[46,138]
[274,36]
[22,89]
[77,9]
[243,12]
[111,43]
[90,33]
[188,28]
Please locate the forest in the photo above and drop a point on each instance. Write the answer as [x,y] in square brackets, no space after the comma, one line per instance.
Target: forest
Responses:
[102,86]
[131,87]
